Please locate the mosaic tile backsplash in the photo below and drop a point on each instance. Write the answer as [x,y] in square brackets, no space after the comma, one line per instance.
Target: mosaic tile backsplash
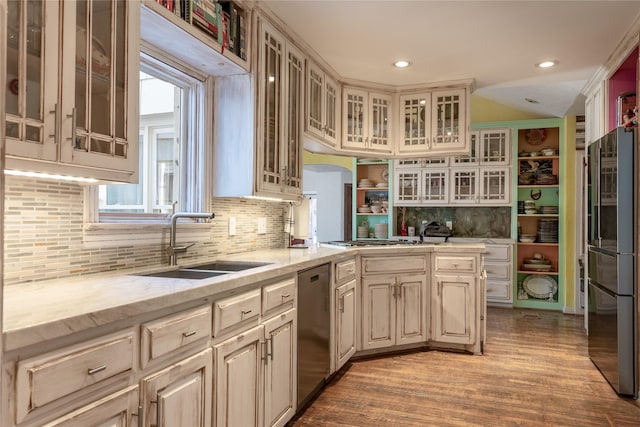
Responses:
[481,222]
[43,236]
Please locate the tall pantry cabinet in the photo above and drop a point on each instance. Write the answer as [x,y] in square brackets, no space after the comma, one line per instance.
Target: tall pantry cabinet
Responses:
[72,79]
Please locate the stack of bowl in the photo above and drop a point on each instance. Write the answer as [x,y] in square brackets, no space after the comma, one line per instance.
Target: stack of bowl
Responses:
[381,231]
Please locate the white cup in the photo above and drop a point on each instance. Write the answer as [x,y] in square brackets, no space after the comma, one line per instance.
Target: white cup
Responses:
[411,231]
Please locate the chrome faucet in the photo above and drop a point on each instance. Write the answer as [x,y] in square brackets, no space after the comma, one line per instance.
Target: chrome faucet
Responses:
[174,250]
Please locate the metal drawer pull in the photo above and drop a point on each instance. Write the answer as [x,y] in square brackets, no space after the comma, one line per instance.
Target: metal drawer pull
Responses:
[188,334]
[100,368]
[245,312]
[286,296]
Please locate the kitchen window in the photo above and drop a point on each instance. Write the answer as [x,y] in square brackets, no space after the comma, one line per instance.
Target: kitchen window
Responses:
[172,160]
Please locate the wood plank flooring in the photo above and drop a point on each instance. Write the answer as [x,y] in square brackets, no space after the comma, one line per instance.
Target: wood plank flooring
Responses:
[535,372]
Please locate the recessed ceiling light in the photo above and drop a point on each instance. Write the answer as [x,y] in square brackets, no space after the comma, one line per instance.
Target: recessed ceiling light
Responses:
[546,64]
[401,64]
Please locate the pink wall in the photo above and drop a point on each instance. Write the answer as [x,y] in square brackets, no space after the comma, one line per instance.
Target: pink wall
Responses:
[623,80]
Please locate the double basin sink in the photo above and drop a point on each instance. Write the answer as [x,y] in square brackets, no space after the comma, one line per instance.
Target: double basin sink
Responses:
[211,269]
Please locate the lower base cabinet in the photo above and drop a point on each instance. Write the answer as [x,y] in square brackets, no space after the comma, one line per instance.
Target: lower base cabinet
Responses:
[454,309]
[119,409]
[394,310]
[256,375]
[345,315]
[179,395]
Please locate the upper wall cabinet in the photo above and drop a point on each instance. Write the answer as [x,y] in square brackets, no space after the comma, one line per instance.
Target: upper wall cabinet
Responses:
[78,114]
[366,121]
[322,109]
[434,122]
[280,95]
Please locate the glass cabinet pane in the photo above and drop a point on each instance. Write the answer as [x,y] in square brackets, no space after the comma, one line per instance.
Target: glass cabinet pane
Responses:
[355,107]
[315,99]
[379,122]
[99,65]
[494,147]
[447,118]
[413,112]
[272,104]
[295,67]
[331,98]
[434,186]
[464,185]
[408,186]
[494,185]
[472,158]
[25,61]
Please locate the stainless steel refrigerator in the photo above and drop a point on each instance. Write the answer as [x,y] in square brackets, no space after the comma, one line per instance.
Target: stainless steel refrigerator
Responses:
[611,260]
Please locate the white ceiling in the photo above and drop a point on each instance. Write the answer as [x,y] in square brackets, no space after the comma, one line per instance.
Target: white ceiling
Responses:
[496,43]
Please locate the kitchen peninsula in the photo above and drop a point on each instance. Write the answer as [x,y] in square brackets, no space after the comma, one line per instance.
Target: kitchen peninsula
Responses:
[121,341]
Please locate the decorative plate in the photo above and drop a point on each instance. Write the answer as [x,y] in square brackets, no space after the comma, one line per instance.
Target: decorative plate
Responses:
[535,136]
[385,175]
[541,287]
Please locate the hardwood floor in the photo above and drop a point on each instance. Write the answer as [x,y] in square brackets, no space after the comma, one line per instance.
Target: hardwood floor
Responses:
[535,372]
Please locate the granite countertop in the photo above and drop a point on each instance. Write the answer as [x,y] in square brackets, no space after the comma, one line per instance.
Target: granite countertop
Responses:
[51,309]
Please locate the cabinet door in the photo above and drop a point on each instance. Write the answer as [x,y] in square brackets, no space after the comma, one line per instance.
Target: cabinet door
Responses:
[495,147]
[411,295]
[179,394]
[315,100]
[415,123]
[331,108]
[270,110]
[292,149]
[448,120]
[100,60]
[345,322]
[379,122]
[281,366]
[119,409]
[473,158]
[355,124]
[464,185]
[31,95]
[238,380]
[495,184]
[434,186]
[454,309]
[407,184]
[378,312]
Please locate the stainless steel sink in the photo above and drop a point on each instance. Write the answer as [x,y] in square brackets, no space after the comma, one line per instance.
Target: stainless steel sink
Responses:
[228,266]
[186,274]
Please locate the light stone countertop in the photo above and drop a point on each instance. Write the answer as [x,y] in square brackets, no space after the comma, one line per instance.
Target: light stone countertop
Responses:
[47,310]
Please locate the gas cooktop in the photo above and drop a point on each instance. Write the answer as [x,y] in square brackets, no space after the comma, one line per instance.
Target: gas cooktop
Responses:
[373,242]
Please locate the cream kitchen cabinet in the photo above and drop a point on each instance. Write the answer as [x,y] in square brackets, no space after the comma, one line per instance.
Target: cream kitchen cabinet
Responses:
[322,107]
[394,301]
[256,365]
[344,306]
[78,114]
[119,409]
[457,297]
[366,121]
[426,186]
[434,122]
[179,394]
[280,120]
[498,264]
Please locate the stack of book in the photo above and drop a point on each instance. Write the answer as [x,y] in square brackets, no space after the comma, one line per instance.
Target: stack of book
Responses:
[223,20]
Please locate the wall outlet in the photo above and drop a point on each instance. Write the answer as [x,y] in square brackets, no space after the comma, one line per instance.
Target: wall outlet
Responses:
[262,225]
[232,226]
[450,225]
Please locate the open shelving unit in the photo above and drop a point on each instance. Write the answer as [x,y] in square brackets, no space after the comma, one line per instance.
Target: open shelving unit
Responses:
[379,173]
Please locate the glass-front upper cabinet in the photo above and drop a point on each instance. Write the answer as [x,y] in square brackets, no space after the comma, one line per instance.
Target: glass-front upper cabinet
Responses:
[322,106]
[100,96]
[415,123]
[72,75]
[495,146]
[366,120]
[31,87]
[448,120]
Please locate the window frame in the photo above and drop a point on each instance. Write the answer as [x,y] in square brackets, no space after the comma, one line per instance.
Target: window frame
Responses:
[102,228]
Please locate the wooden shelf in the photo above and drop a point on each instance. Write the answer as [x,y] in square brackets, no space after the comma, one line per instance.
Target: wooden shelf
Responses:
[373,188]
[538,158]
[371,213]
[539,186]
[537,244]
[539,215]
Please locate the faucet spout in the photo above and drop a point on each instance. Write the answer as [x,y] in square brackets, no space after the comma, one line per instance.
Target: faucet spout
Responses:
[173,249]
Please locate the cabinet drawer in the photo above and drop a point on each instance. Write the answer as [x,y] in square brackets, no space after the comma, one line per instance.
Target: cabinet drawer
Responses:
[234,312]
[345,270]
[43,379]
[394,264]
[454,264]
[497,253]
[499,291]
[498,271]
[278,297]
[171,333]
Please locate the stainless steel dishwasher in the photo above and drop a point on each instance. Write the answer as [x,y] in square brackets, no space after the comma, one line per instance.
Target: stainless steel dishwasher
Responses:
[313,331]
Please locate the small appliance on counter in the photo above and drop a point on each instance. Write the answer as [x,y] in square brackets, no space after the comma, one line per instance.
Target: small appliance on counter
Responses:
[435,229]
